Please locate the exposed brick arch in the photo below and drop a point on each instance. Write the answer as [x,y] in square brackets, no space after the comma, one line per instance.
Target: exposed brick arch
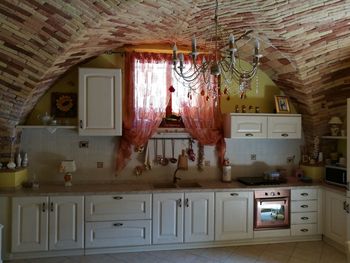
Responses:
[306,46]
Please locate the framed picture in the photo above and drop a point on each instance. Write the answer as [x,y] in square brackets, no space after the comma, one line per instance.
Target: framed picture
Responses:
[282,104]
[64,105]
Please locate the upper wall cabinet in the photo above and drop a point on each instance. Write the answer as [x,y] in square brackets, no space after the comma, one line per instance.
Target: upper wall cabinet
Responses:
[100,102]
[262,126]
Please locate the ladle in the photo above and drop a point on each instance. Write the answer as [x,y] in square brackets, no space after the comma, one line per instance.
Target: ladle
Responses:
[173,159]
[164,161]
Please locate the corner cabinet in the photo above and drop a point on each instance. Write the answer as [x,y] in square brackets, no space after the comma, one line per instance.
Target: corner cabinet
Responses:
[100,102]
[262,126]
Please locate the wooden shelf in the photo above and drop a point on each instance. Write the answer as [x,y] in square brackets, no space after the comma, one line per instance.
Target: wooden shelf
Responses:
[334,137]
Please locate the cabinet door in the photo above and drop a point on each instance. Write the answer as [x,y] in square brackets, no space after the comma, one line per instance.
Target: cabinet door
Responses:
[29,224]
[233,215]
[249,127]
[199,217]
[284,127]
[100,101]
[335,217]
[118,207]
[66,222]
[168,218]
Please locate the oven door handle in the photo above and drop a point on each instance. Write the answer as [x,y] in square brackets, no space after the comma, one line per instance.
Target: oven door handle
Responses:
[281,201]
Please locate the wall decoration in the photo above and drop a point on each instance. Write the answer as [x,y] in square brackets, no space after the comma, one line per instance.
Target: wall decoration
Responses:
[64,105]
[282,104]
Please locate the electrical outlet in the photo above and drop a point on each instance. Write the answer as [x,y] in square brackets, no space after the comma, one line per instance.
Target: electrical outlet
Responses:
[83,144]
[290,159]
[99,164]
[253,157]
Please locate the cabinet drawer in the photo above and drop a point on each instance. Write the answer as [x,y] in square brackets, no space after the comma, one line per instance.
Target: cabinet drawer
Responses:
[246,127]
[304,194]
[117,233]
[304,206]
[284,127]
[118,207]
[304,218]
[303,229]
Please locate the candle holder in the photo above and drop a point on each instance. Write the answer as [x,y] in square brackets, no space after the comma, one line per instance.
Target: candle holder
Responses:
[335,123]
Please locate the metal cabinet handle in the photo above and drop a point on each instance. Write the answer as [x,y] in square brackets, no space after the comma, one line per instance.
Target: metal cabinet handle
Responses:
[249,134]
[51,207]
[118,224]
[304,206]
[179,202]
[304,194]
[234,194]
[44,207]
[81,124]
[304,218]
[284,134]
[304,230]
[117,197]
[187,202]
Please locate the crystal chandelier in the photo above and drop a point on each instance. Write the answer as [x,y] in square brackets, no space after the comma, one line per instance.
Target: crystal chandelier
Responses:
[219,71]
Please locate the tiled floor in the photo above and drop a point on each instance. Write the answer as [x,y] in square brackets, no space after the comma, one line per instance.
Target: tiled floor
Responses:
[301,252]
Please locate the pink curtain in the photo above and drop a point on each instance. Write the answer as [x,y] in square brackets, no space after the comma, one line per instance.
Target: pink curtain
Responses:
[145,101]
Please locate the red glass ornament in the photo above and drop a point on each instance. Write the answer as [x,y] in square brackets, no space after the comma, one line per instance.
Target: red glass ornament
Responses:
[171,88]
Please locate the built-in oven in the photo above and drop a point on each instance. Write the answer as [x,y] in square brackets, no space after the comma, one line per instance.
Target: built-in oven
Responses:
[271,209]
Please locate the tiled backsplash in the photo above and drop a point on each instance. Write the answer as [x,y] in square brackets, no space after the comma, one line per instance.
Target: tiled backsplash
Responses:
[46,150]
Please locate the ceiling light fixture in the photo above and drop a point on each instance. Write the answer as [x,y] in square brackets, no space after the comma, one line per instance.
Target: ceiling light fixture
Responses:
[219,71]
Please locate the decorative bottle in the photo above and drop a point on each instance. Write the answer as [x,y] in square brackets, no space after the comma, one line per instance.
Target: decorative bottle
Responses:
[226,171]
[18,160]
[25,160]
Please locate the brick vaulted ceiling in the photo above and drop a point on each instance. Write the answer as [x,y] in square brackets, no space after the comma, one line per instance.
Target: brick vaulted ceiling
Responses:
[306,45]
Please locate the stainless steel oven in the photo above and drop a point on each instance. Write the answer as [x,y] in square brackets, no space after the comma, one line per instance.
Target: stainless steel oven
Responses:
[271,209]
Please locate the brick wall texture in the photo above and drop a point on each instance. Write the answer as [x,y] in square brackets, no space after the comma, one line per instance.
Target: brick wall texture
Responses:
[306,46]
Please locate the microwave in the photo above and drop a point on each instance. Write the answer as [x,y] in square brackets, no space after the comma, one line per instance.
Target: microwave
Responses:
[335,175]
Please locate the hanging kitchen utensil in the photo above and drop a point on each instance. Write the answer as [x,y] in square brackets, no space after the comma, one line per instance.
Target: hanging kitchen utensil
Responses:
[190,152]
[173,159]
[163,161]
[200,159]
[155,150]
[147,163]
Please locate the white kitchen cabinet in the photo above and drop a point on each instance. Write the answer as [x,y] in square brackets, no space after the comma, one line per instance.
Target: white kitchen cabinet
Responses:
[118,207]
[100,102]
[30,217]
[305,212]
[66,222]
[183,217]
[233,215]
[38,220]
[117,233]
[245,126]
[262,126]
[284,127]
[335,217]
[199,217]
[168,218]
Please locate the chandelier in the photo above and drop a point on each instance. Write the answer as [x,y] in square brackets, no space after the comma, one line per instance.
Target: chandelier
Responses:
[213,74]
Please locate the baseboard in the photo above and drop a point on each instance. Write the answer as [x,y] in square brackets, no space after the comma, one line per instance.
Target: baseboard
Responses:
[339,246]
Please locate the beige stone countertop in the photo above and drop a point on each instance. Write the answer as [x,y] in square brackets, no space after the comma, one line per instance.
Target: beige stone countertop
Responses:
[114,187]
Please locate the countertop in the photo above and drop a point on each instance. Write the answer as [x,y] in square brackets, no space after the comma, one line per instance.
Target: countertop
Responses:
[116,187]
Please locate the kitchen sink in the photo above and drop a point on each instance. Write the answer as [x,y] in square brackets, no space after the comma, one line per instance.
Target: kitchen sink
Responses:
[178,185]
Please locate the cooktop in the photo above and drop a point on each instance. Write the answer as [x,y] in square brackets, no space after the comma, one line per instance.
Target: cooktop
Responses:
[260,180]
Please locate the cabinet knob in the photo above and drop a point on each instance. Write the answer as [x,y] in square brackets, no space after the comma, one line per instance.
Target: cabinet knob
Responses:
[249,134]
[117,197]
[187,202]
[304,218]
[304,206]
[234,194]
[284,134]
[304,230]
[304,194]
[81,124]
[118,224]
[51,207]
[44,207]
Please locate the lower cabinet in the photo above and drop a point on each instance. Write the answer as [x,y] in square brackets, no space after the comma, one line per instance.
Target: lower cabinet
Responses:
[335,217]
[47,223]
[234,215]
[183,217]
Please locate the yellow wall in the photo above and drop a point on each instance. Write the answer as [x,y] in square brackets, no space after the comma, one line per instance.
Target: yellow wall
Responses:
[264,98]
